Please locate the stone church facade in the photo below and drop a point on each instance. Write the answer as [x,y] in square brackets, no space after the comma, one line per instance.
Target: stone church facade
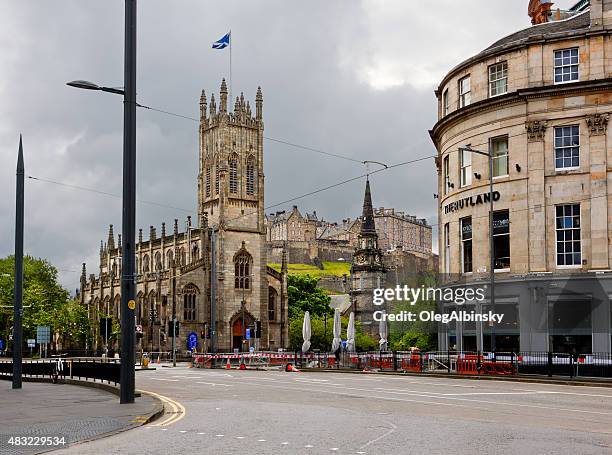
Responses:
[175,270]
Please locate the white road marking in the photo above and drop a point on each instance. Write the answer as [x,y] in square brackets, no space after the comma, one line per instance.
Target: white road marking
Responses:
[284,443]
[308,446]
[239,437]
[433,396]
[162,379]
[219,435]
[201,433]
[391,430]
[214,384]
[183,431]
[261,440]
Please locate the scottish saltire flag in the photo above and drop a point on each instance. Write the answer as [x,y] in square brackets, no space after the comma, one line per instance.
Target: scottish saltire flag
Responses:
[223,42]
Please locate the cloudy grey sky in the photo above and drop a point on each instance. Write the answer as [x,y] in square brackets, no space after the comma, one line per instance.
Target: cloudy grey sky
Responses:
[345,76]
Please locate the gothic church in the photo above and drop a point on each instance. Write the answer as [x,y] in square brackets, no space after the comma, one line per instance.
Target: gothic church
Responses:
[175,268]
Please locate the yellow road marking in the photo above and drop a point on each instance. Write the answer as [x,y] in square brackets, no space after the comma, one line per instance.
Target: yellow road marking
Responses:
[173,410]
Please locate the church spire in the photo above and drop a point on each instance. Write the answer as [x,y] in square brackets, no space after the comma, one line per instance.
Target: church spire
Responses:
[367,217]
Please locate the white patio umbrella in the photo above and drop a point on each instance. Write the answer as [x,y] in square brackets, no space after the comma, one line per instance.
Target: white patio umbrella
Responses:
[350,333]
[382,331]
[306,332]
[337,328]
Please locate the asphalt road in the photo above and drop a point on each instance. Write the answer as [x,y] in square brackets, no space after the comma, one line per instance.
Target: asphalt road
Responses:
[270,412]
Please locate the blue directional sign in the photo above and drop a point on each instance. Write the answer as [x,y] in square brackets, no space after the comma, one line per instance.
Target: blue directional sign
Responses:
[248,334]
[192,341]
[1,345]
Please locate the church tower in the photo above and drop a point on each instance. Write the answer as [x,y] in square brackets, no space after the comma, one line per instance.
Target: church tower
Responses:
[231,197]
[367,270]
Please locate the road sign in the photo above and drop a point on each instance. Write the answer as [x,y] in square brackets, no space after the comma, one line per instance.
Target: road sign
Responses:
[1,345]
[248,334]
[43,334]
[192,341]
[31,343]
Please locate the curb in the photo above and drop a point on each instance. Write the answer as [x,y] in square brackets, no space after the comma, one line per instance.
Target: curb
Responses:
[527,379]
[148,418]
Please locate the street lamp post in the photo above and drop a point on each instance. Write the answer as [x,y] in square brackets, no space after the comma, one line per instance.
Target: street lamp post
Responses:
[489,155]
[128,285]
[173,313]
[18,293]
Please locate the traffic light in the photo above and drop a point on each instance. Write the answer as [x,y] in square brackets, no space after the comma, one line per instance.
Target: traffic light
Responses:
[172,333]
[106,328]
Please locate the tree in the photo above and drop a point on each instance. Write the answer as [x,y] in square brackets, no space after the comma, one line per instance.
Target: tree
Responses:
[304,295]
[45,301]
[423,335]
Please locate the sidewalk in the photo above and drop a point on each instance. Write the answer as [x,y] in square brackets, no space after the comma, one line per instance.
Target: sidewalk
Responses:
[73,412]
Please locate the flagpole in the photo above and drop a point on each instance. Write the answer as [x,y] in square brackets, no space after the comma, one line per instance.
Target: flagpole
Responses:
[230,68]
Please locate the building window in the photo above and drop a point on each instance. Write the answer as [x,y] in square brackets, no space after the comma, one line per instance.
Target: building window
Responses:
[145,264]
[501,239]
[242,266]
[158,262]
[569,251]
[447,256]
[207,183]
[169,258]
[499,149]
[498,79]
[233,175]
[465,92]
[217,179]
[445,103]
[567,147]
[446,170]
[250,177]
[466,168]
[189,303]
[466,244]
[271,304]
[566,65]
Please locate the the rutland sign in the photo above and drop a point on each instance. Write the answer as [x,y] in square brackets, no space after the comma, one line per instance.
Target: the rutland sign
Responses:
[471,201]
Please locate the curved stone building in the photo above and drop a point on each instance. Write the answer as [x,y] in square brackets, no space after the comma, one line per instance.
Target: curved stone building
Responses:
[538,101]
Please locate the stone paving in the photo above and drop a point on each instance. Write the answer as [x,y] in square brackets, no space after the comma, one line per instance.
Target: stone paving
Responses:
[71,412]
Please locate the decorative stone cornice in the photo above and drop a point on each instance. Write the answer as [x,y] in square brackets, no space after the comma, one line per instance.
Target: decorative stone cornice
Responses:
[598,124]
[535,130]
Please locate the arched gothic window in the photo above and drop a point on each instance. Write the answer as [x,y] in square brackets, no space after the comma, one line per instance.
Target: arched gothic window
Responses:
[233,174]
[158,262]
[183,256]
[242,269]
[207,183]
[145,264]
[195,253]
[189,303]
[250,176]
[217,177]
[272,294]
[169,258]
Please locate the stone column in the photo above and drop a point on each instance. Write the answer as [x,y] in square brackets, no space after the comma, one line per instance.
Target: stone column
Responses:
[536,198]
[597,126]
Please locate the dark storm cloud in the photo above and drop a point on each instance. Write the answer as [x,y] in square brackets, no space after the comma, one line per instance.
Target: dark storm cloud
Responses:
[347,77]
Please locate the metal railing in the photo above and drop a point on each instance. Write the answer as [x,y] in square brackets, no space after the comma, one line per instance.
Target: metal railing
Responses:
[103,370]
[455,362]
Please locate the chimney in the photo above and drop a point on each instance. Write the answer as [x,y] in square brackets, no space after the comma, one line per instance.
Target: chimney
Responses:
[601,14]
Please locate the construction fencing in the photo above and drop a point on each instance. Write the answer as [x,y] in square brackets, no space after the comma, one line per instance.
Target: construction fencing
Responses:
[463,362]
